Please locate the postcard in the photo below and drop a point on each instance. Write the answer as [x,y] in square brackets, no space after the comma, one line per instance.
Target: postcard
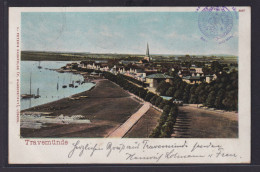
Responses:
[129,85]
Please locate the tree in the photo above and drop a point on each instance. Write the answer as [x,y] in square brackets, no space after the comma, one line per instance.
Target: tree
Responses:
[149,96]
[162,88]
[231,100]
[153,99]
[186,94]
[167,109]
[216,67]
[162,104]
[206,70]
[170,91]
[211,99]
[166,130]
[193,89]
[158,101]
[178,94]
[174,111]
[218,102]
[156,132]
[193,99]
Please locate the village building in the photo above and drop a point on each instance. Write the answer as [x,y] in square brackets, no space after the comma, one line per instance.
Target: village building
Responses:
[193,79]
[177,102]
[125,62]
[68,66]
[210,78]
[82,65]
[94,74]
[154,79]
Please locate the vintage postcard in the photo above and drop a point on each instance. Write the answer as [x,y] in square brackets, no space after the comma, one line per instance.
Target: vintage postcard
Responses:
[99,85]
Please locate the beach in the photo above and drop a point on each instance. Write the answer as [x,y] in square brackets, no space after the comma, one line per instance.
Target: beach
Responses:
[106,105]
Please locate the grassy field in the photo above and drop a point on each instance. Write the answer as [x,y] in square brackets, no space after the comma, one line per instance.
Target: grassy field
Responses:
[144,127]
[199,123]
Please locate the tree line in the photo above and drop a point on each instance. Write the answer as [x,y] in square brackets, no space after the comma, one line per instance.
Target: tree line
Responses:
[221,93]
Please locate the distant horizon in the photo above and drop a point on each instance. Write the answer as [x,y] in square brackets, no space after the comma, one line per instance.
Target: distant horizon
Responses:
[131,53]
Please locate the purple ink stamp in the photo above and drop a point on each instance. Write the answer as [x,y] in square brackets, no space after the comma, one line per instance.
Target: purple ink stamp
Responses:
[215,22]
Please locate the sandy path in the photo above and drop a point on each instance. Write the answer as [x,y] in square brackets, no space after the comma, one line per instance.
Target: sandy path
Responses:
[124,128]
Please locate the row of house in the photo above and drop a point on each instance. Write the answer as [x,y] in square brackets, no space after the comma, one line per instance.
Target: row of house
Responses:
[195,75]
[149,75]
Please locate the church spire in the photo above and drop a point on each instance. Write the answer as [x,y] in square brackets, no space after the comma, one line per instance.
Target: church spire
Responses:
[147,51]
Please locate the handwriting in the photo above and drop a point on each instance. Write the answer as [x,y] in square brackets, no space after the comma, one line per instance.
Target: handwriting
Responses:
[147,150]
[82,148]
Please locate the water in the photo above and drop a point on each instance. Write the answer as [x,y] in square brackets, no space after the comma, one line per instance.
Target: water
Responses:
[46,80]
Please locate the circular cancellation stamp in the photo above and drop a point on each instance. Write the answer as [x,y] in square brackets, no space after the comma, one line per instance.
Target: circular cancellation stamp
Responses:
[215,22]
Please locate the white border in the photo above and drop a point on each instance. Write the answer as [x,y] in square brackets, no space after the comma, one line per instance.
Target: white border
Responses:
[19,153]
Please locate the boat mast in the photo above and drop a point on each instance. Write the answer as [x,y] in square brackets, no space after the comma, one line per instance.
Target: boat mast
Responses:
[31,83]
[58,84]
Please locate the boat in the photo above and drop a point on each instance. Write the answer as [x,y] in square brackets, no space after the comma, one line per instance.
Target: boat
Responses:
[64,86]
[28,96]
[38,95]
[72,84]
[39,67]
[76,86]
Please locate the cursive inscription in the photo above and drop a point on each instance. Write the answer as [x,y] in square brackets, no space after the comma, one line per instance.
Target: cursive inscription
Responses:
[82,148]
[149,151]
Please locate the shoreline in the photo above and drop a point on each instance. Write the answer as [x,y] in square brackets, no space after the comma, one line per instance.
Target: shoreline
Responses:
[75,72]
[74,95]
[106,105]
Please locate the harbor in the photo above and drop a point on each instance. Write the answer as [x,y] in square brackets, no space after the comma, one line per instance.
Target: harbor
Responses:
[40,85]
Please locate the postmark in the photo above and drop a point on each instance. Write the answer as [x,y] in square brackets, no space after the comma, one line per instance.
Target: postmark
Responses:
[216,23]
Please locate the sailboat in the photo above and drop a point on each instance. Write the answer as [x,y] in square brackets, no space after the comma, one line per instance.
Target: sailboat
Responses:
[27,96]
[38,94]
[72,83]
[64,86]
[39,67]
[58,84]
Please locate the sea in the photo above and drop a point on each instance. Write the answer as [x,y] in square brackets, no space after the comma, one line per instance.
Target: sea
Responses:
[49,82]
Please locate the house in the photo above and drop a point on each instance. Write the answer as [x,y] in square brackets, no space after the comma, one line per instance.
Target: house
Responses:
[126,62]
[210,78]
[82,65]
[101,61]
[177,102]
[154,79]
[198,70]
[193,79]
[68,66]
[94,74]
[143,61]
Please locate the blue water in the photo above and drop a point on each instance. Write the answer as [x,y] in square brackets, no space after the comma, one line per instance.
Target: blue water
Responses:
[46,80]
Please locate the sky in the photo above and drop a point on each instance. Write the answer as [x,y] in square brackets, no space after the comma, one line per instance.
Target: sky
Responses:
[120,32]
